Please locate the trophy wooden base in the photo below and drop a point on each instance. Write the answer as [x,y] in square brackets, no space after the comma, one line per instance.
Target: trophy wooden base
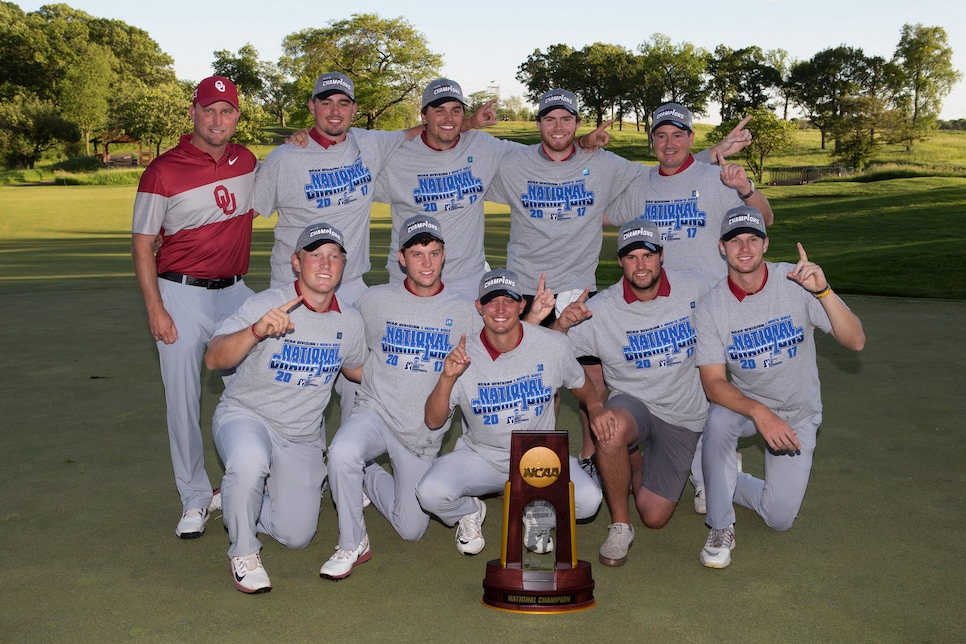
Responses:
[564,590]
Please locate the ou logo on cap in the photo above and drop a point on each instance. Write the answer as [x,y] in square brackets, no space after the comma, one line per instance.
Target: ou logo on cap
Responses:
[220,85]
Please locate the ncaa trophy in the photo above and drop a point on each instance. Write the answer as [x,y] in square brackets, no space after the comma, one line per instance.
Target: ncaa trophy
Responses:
[538,570]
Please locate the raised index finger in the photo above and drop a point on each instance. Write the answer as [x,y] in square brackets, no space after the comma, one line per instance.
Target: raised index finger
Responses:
[605,124]
[741,125]
[542,283]
[801,252]
[721,159]
[291,305]
[584,295]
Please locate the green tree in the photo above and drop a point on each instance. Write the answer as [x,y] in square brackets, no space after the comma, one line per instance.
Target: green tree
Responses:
[252,123]
[600,75]
[819,84]
[741,79]
[782,63]
[925,76]
[770,135]
[387,59]
[153,114]
[29,127]
[541,71]
[243,69]
[855,131]
[85,91]
[278,91]
[677,72]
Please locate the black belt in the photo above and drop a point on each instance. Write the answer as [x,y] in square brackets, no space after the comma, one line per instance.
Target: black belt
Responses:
[218,282]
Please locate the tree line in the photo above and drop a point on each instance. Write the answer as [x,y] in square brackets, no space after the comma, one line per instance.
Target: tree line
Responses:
[69,77]
[858,101]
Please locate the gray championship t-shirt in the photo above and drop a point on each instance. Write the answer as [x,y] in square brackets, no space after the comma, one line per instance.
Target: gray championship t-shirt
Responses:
[448,185]
[408,338]
[557,213]
[767,342]
[513,392]
[334,185]
[287,381]
[647,349]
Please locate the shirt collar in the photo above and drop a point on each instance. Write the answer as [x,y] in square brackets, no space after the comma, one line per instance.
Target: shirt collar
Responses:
[493,351]
[740,293]
[425,140]
[321,140]
[333,304]
[408,288]
[684,166]
[543,152]
[663,290]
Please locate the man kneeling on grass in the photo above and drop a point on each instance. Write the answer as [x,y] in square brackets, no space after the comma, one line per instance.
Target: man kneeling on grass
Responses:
[288,344]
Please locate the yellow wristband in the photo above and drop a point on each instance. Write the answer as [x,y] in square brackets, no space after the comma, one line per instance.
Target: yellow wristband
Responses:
[825,291]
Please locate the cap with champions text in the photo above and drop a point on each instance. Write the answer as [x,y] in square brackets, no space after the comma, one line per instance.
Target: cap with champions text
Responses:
[318,234]
[673,114]
[442,90]
[558,98]
[638,233]
[333,83]
[214,89]
[743,219]
[418,228]
[499,282]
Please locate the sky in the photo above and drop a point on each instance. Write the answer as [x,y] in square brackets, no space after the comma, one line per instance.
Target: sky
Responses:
[483,43]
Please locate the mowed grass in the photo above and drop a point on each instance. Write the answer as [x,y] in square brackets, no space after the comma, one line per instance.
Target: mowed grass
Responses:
[902,237]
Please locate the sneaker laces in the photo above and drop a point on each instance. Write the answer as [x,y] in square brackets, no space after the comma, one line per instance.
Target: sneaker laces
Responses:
[342,553]
[720,538]
[469,526]
[617,532]
[248,563]
[589,465]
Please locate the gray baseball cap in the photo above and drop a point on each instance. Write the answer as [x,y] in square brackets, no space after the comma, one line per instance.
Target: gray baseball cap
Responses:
[743,219]
[499,282]
[334,83]
[638,233]
[559,98]
[673,114]
[318,234]
[442,90]
[419,227]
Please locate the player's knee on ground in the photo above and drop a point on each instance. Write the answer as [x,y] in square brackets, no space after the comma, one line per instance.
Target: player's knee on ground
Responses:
[587,500]
[780,520]
[412,532]
[298,532]
[655,511]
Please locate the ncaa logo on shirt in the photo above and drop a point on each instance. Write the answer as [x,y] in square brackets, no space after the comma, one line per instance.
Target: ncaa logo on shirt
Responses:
[225,200]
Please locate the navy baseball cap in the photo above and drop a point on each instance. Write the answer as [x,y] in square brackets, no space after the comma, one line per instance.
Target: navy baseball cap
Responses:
[334,83]
[673,114]
[638,233]
[499,282]
[559,98]
[743,219]
[419,227]
[442,90]
[318,234]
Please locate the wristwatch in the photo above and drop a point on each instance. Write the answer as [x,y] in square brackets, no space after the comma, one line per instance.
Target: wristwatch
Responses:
[750,192]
